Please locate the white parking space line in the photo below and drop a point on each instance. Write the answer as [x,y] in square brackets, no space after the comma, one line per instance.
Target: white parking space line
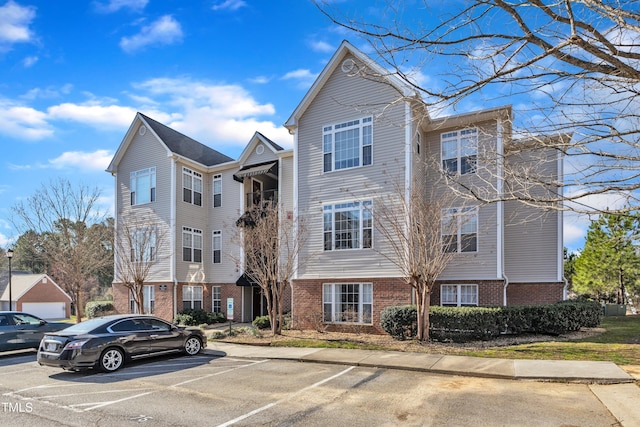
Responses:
[84,393]
[216,373]
[103,404]
[271,405]
[39,387]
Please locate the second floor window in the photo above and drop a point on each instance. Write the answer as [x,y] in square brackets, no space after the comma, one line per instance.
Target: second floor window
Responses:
[143,186]
[192,187]
[348,225]
[217,247]
[459,151]
[347,145]
[143,244]
[191,244]
[217,191]
[460,230]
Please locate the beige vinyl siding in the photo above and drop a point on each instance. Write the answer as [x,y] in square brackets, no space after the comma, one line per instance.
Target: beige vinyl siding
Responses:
[189,215]
[224,218]
[531,234]
[483,264]
[145,151]
[255,158]
[345,98]
[285,196]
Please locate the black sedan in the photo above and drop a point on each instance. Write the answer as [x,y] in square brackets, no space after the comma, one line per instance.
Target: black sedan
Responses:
[22,330]
[106,343]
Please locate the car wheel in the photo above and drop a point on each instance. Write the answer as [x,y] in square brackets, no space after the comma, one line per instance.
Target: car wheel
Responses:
[111,359]
[192,346]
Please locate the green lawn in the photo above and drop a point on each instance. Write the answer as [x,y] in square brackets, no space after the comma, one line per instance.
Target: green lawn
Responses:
[619,344]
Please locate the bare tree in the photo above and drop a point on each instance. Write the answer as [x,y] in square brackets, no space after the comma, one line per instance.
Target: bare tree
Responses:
[423,234]
[569,67]
[136,252]
[271,240]
[76,237]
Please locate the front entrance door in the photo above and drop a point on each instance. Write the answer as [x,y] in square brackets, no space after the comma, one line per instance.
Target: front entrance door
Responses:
[259,303]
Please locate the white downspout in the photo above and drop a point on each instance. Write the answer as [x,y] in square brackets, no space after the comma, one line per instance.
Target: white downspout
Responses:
[500,209]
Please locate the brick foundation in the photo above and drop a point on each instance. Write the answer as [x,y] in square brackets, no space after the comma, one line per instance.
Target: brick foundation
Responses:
[164,305]
[534,293]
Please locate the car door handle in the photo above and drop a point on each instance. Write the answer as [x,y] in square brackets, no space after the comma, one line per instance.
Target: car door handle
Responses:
[154,336]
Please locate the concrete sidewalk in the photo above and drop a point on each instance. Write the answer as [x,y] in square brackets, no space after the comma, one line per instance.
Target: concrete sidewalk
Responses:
[539,370]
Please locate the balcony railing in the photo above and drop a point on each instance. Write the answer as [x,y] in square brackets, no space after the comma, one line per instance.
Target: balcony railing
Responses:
[260,199]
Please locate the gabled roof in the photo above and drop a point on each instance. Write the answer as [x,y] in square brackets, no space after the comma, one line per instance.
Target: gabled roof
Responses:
[174,141]
[184,146]
[335,61]
[256,139]
[22,283]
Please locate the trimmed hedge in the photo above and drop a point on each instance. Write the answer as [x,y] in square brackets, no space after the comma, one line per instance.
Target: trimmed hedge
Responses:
[482,323]
[195,317]
[98,308]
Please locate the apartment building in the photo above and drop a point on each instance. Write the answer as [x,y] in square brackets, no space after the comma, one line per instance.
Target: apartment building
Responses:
[360,136]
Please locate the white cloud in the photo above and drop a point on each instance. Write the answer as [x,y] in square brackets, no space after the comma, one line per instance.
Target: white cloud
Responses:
[304,77]
[260,80]
[29,61]
[229,5]
[23,122]
[115,5]
[224,115]
[102,116]
[14,24]
[96,161]
[164,31]
[47,92]
[321,46]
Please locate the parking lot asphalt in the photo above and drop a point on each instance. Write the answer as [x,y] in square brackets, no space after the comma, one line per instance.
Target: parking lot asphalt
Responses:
[621,400]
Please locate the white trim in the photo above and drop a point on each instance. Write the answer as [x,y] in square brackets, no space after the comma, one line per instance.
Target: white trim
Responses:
[173,223]
[295,204]
[408,147]
[500,204]
[560,168]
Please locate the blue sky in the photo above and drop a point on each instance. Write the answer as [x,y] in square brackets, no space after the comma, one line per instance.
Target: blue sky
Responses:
[74,73]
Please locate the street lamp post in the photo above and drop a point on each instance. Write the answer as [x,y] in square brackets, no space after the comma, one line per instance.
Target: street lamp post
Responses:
[10,255]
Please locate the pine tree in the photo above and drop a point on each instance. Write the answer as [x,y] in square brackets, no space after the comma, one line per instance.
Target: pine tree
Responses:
[608,269]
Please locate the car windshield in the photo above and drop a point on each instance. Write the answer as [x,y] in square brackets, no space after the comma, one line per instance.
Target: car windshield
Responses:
[86,326]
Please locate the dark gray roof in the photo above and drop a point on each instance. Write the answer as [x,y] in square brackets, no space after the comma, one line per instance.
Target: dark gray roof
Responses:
[185,146]
[273,144]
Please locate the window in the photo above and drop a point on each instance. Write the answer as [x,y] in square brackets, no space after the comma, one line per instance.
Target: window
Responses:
[460,230]
[348,225]
[459,295]
[459,151]
[148,299]
[216,299]
[348,302]
[143,244]
[143,186]
[347,145]
[217,247]
[192,297]
[192,187]
[191,244]
[217,191]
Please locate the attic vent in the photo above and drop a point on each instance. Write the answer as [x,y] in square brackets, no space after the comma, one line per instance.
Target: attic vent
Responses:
[260,149]
[142,130]
[348,65]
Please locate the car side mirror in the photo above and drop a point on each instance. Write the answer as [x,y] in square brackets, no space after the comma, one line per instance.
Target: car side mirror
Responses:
[42,322]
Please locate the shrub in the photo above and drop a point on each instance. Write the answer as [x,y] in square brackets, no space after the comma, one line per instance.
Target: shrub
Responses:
[98,308]
[472,323]
[262,322]
[400,322]
[195,317]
